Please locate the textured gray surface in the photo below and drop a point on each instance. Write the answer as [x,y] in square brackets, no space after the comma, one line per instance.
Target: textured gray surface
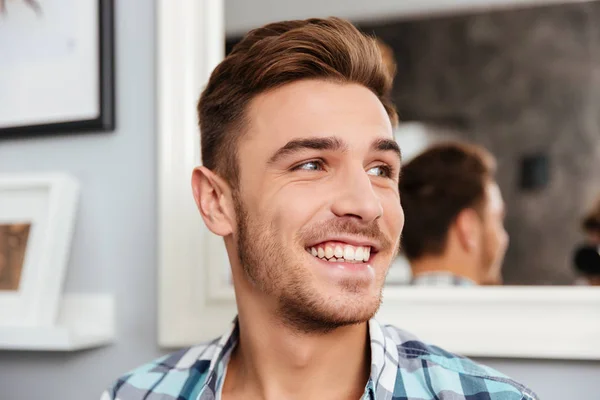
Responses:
[519,82]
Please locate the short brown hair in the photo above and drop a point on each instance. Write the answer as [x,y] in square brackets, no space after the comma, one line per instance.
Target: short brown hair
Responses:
[277,54]
[387,55]
[435,187]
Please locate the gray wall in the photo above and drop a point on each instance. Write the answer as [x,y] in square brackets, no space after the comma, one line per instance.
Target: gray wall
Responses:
[519,82]
[115,236]
[114,244]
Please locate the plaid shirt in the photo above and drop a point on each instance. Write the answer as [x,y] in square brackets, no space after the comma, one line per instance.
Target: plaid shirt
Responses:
[403,368]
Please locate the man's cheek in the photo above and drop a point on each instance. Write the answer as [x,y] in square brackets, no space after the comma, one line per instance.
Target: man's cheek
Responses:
[396,220]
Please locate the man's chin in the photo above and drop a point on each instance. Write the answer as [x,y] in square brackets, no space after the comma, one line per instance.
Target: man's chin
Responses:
[320,324]
[312,317]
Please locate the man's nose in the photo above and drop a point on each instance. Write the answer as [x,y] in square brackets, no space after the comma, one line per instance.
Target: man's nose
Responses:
[356,197]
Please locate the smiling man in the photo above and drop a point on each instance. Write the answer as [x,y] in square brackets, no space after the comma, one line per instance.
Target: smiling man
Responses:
[300,177]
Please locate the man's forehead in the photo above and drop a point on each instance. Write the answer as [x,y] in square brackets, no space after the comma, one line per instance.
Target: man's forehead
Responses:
[316,109]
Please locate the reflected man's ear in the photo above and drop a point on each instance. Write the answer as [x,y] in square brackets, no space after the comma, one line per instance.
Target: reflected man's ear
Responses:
[468,228]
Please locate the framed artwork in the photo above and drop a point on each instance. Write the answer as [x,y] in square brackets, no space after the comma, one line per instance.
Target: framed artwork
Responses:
[13,243]
[196,300]
[37,213]
[57,68]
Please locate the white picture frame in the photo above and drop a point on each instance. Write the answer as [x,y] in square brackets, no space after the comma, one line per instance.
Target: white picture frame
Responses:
[47,202]
[196,303]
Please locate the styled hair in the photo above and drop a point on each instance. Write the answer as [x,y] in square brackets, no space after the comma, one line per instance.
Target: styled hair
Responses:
[435,187]
[266,58]
[591,221]
[387,55]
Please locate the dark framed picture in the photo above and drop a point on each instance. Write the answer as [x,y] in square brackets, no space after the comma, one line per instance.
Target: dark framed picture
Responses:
[56,67]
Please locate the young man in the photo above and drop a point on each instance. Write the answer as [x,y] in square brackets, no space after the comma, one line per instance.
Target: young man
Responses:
[454,230]
[300,178]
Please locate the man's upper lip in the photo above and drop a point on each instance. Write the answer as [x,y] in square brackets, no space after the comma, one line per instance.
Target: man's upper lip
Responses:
[351,240]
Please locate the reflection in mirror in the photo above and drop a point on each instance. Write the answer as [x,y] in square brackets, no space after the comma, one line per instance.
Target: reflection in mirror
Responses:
[522,86]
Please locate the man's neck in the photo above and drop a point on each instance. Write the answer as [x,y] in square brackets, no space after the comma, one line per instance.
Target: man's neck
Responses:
[273,361]
[445,264]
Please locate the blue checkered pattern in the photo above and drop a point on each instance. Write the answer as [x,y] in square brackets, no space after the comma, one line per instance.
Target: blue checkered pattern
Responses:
[403,368]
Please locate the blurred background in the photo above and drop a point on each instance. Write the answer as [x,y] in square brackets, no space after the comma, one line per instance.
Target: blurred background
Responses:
[524,83]
[520,78]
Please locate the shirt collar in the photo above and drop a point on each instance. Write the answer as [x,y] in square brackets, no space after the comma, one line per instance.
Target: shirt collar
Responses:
[219,361]
[384,362]
[441,278]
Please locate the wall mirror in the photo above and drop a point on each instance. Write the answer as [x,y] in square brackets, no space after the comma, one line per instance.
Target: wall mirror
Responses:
[520,81]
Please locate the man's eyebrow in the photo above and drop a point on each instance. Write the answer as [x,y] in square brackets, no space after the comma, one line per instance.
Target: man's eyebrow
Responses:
[387,145]
[312,143]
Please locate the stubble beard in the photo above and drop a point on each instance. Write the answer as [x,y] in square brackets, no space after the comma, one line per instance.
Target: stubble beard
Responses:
[271,270]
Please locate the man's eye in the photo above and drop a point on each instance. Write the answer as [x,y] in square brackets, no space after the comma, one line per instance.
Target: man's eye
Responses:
[309,166]
[380,170]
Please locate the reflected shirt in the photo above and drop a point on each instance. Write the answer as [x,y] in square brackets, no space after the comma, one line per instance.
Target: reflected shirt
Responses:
[440,279]
[402,368]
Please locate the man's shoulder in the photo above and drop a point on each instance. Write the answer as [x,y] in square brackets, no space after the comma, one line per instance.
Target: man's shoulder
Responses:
[447,371]
[177,375]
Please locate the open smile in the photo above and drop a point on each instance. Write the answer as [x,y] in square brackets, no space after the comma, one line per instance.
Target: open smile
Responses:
[335,251]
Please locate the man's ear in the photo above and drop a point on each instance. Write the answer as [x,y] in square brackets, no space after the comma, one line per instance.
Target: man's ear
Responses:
[213,199]
[468,229]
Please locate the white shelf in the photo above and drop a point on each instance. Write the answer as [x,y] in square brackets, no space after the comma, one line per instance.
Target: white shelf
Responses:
[85,321]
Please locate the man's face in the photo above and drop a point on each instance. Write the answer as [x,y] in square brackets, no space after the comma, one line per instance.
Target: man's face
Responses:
[495,238]
[318,208]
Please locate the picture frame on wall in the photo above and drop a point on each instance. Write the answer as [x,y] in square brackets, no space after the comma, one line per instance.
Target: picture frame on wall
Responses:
[57,67]
[37,215]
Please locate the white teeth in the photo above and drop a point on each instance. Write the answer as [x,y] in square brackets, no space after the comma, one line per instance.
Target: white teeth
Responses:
[339,252]
[321,252]
[328,252]
[358,254]
[349,253]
